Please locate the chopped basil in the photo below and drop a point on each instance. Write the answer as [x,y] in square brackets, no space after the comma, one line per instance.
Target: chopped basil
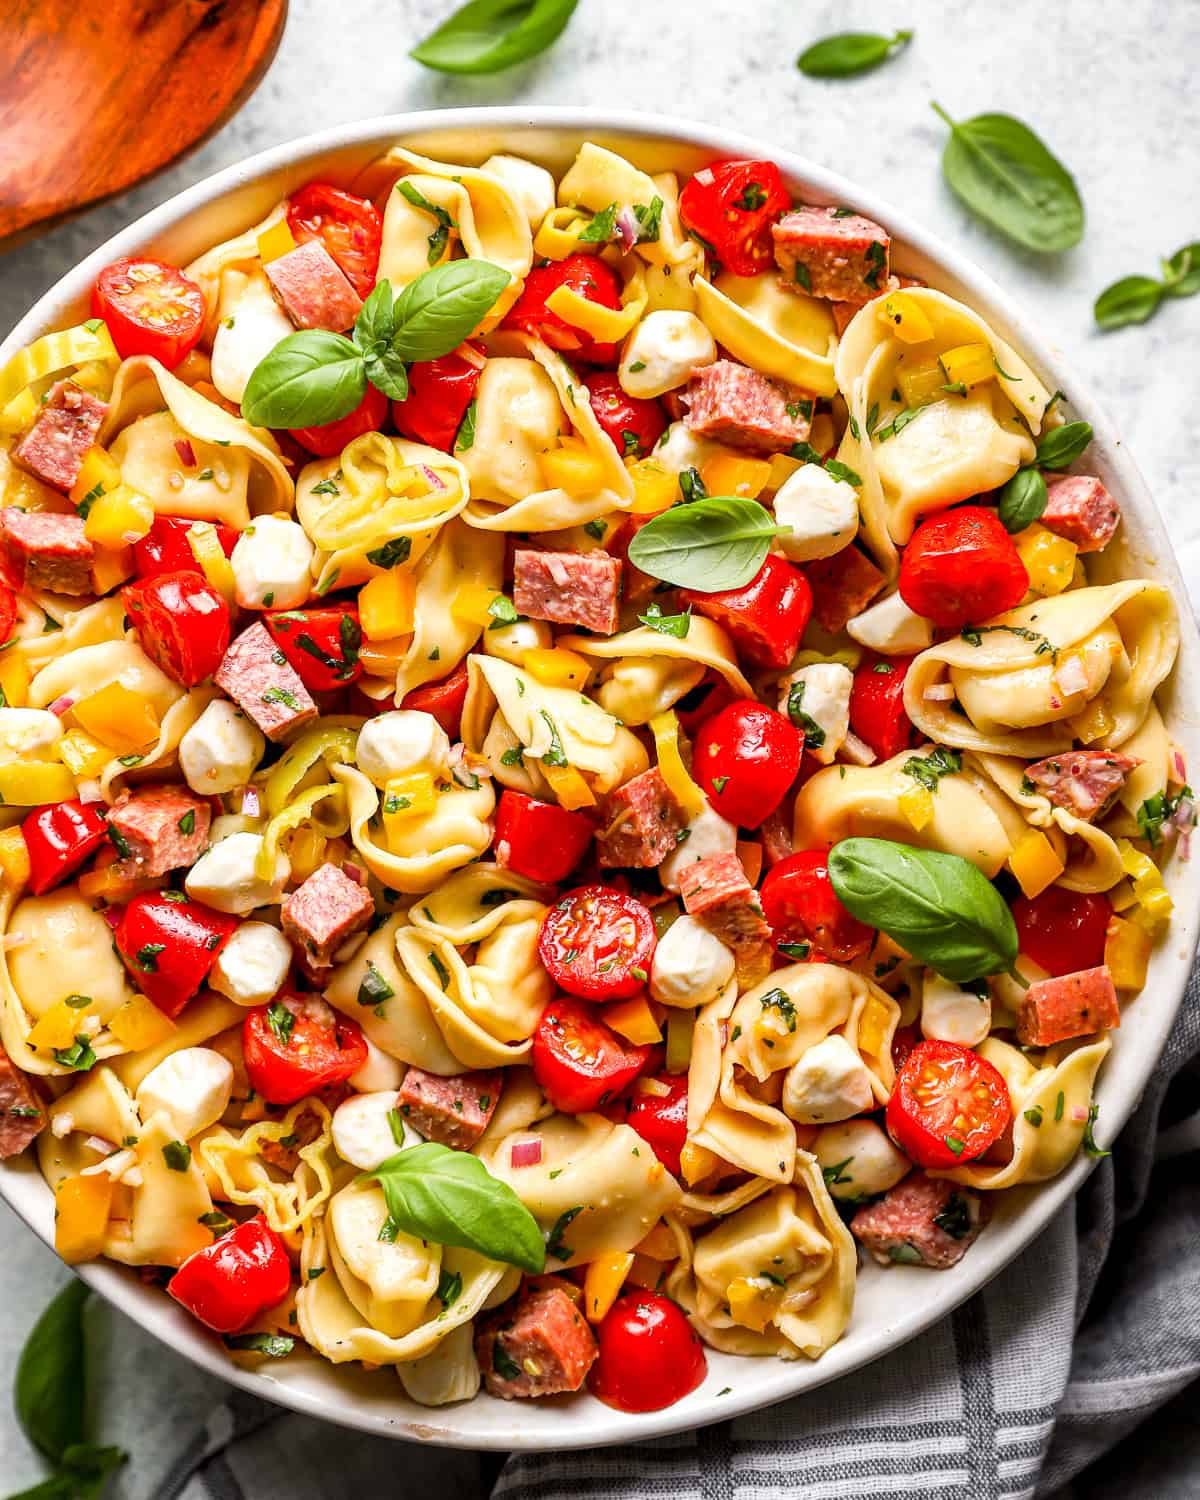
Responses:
[814,735]
[438,240]
[503,612]
[798,951]
[1090,1147]
[79,1056]
[777,1000]
[691,486]
[555,755]
[440,969]
[954,1218]
[929,769]
[675,625]
[391,553]
[273,1345]
[177,1155]
[449,1288]
[837,1173]
[374,988]
[554,1240]
[187,824]
[281,1021]
[147,956]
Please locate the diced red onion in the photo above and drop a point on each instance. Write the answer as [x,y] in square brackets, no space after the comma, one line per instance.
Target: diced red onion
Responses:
[627,227]
[89,791]
[704,176]
[526,1153]
[99,1144]
[1179,764]
[250,803]
[1078,1114]
[64,704]
[939,692]
[1070,676]
[187,454]
[436,482]
[857,751]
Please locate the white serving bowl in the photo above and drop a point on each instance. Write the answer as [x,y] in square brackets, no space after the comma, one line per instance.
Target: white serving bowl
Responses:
[892,1305]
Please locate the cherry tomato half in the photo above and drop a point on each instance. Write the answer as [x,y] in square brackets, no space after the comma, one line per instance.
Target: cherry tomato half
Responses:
[586,275]
[321,644]
[949,1105]
[439,392]
[766,617]
[150,308]
[540,840]
[731,206]
[801,906]
[578,1060]
[332,437]
[1063,930]
[650,1355]
[443,699]
[877,705]
[351,229]
[962,567]
[659,1118]
[293,1050]
[182,624]
[170,944]
[165,547]
[745,759]
[597,943]
[634,424]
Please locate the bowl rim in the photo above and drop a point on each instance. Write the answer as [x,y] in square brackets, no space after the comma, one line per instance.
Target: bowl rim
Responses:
[21,1185]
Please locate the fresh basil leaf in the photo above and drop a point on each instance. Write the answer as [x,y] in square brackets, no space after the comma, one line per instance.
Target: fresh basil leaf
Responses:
[1005,174]
[1181,274]
[88,1467]
[849,53]
[1133,299]
[1022,500]
[938,907]
[376,323]
[49,1391]
[309,378]
[713,544]
[273,1345]
[440,238]
[602,227]
[450,1197]
[676,625]
[444,306]
[484,36]
[391,553]
[386,371]
[466,432]
[1061,446]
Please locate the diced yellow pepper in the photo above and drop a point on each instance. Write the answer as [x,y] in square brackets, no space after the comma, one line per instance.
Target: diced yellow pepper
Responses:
[383,658]
[276,241]
[119,518]
[30,783]
[386,604]
[99,475]
[20,413]
[634,1019]
[96,376]
[681,1027]
[872,1026]
[572,467]
[569,787]
[750,853]
[752,1305]
[139,1024]
[305,852]
[783,466]
[910,323]
[920,382]
[14,859]
[15,678]
[665,729]
[659,1244]
[697,1162]
[823,436]
[1135,862]
[475,603]
[409,796]
[1094,722]
[558,235]
[736,474]
[1034,863]
[604,1279]
[81,1209]
[607,325]
[1049,560]
[969,364]
[59,1027]
[645,1272]
[1121,897]
[111,566]
[916,803]
[557,667]
[111,883]
[1153,910]
[119,717]
[1127,953]
[83,756]
[654,488]
[208,552]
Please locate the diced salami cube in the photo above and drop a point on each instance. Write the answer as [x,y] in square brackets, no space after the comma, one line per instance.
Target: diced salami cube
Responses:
[1080,508]
[830,253]
[452,1111]
[1084,782]
[642,824]
[22,1116]
[163,827]
[54,447]
[569,588]
[313,289]
[260,680]
[323,912]
[842,587]
[922,1221]
[540,1347]
[1055,1010]
[733,404]
[716,892]
[40,549]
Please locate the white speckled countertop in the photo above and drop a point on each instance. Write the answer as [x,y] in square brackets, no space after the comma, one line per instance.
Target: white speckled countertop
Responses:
[1110,89]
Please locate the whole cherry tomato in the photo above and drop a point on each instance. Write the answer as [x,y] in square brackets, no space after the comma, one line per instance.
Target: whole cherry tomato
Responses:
[657,1109]
[597,943]
[745,759]
[578,1060]
[182,624]
[586,275]
[321,644]
[801,906]
[439,393]
[170,944]
[59,837]
[165,547]
[766,617]
[443,699]
[1063,930]
[297,1045]
[877,705]
[236,1279]
[150,308]
[332,437]
[962,567]
[634,424]
[731,206]
[650,1355]
[949,1105]
[351,229]
[540,840]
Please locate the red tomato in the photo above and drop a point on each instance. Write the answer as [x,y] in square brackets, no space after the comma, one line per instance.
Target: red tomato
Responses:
[439,392]
[586,275]
[1063,930]
[578,1060]
[165,547]
[170,944]
[962,567]
[321,644]
[904,1039]
[634,425]
[150,308]
[59,838]
[660,1119]
[233,1281]
[332,437]
[8,613]
[597,943]
[291,1051]
[801,906]
[351,229]
[877,705]
[949,1105]
[182,624]
[650,1355]
[731,206]
[745,759]
[765,618]
[540,840]
[443,699]
[710,695]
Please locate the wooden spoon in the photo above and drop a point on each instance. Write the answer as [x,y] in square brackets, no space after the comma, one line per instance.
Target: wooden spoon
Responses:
[97,94]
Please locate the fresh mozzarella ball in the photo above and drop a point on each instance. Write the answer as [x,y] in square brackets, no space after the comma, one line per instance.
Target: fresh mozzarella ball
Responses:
[532,186]
[226,877]
[830,1082]
[679,448]
[820,511]
[191,1087]
[272,564]
[891,628]
[858,1159]
[949,1014]
[510,642]
[662,351]
[691,966]
[825,699]
[253,964]
[709,833]
[251,324]
[380,1071]
[362,1132]
[221,749]
[403,740]
[29,731]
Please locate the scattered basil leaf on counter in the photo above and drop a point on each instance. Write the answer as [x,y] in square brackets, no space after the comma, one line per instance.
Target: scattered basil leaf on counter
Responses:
[1006,175]
[484,36]
[1134,299]
[712,544]
[850,53]
[309,378]
[1022,500]
[1061,446]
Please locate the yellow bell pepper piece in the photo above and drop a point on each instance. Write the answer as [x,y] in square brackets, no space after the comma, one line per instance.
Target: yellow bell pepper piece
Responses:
[654,488]
[681,1027]
[1034,863]
[571,467]
[22,412]
[386,604]
[921,382]
[752,1305]
[61,1024]
[118,717]
[305,851]
[569,787]
[872,1027]
[665,729]
[478,604]
[697,1162]
[208,552]
[1094,722]
[556,667]
[1049,560]
[1127,953]
[14,680]
[659,1244]
[119,519]
[81,1209]
[54,354]
[908,318]
[608,325]
[110,567]
[604,1279]
[139,1024]
[1153,911]
[969,364]
[634,1020]
[916,803]
[645,1272]
[409,796]
[1121,897]
[558,235]
[276,241]
[735,474]
[384,658]
[823,436]
[783,466]
[14,859]
[99,474]
[30,783]
[83,756]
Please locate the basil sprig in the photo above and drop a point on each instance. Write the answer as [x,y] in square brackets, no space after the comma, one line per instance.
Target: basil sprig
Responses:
[1023,499]
[450,1197]
[710,545]
[1133,299]
[484,36]
[1005,174]
[314,377]
[849,53]
[938,907]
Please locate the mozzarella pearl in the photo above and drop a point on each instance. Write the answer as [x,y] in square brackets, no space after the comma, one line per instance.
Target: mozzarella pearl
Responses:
[691,966]
[251,967]
[403,740]
[221,749]
[250,324]
[226,876]
[826,701]
[272,564]
[709,833]
[662,352]
[820,511]
[191,1087]
[830,1082]
[362,1132]
[891,628]
[859,1159]
[949,1014]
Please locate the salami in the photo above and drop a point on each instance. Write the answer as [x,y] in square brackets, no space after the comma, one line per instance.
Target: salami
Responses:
[569,588]
[257,676]
[923,1221]
[162,827]
[54,447]
[1055,1010]
[313,289]
[539,1348]
[733,404]
[452,1111]
[1083,782]
[22,1117]
[42,550]
[842,587]
[642,824]
[716,892]
[830,253]
[322,913]
[1080,508]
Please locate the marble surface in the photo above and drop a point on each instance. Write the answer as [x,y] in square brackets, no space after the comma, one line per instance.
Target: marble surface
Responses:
[1111,90]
